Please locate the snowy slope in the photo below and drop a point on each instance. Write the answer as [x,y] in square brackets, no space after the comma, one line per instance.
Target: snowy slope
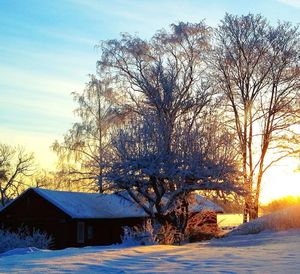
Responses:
[288,218]
[262,253]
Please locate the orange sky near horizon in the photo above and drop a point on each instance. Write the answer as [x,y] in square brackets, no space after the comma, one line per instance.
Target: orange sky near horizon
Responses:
[281,180]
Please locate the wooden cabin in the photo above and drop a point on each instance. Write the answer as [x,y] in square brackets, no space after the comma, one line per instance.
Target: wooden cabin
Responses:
[80,219]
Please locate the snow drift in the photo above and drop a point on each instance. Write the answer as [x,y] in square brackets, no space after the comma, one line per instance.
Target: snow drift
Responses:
[285,219]
[267,252]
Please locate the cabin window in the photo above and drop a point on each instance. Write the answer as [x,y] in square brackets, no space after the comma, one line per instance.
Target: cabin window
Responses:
[90,232]
[80,232]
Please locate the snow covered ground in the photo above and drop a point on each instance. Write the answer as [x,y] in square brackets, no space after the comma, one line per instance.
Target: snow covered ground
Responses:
[240,252]
[266,252]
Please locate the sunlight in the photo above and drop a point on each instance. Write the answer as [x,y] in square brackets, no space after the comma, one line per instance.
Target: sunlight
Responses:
[281,181]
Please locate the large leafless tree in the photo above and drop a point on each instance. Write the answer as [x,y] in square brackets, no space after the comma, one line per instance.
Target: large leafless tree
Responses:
[256,66]
[161,154]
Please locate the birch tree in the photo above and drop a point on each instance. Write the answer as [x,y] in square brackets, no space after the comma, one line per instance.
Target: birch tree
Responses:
[86,146]
[256,66]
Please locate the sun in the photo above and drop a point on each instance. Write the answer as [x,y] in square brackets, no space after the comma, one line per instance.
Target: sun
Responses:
[280,181]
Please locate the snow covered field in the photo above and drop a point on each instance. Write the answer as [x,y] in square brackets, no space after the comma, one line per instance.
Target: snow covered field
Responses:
[266,252]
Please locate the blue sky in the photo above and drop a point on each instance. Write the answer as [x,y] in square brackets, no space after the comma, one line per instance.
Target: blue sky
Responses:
[47,49]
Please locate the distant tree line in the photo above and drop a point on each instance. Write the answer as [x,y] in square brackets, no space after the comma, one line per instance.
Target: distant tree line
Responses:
[280,203]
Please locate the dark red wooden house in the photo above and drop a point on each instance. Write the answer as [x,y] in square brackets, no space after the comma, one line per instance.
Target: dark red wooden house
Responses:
[72,218]
[78,219]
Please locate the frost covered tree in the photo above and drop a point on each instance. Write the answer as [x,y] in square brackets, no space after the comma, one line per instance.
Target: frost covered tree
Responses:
[160,182]
[162,153]
[256,66]
[15,166]
[162,77]
[86,146]
[23,238]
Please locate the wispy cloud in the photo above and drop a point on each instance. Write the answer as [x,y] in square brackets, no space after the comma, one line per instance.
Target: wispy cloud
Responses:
[62,62]
[35,102]
[145,17]
[66,35]
[33,81]
[293,3]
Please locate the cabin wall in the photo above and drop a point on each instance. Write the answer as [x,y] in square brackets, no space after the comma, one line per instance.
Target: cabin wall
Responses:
[34,212]
[102,231]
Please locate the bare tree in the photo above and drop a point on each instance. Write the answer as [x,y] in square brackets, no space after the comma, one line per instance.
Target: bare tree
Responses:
[86,146]
[256,66]
[56,180]
[15,166]
[161,182]
[161,155]
[163,76]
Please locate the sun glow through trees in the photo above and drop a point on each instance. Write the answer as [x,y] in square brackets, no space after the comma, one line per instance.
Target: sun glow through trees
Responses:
[280,181]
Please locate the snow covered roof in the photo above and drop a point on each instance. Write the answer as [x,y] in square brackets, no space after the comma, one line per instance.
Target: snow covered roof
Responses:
[203,204]
[82,205]
[91,205]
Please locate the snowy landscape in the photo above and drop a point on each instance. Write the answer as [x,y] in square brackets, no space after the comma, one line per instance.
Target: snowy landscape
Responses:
[267,252]
[264,252]
[150,136]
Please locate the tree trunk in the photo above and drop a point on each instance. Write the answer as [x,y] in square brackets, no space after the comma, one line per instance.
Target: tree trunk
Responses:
[254,213]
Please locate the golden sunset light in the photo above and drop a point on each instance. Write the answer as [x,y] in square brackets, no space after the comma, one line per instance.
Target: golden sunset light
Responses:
[281,181]
[149,136]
